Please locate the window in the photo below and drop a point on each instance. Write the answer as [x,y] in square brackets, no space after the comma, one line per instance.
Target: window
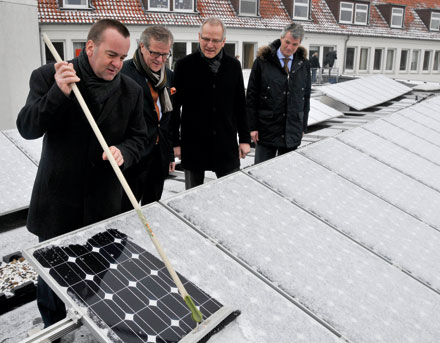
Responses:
[363,60]
[248,54]
[389,65]
[427,60]
[436,65]
[77,47]
[184,5]
[435,21]
[301,9]
[349,58]
[159,5]
[179,51]
[377,64]
[248,7]
[403,60]
[361,14]
[59,47]
[346,13]
[230,49]
[75,4]
[397,17]
[415,60]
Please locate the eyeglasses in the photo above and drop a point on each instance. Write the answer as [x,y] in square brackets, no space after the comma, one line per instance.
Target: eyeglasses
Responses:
[155,54]
[214,41]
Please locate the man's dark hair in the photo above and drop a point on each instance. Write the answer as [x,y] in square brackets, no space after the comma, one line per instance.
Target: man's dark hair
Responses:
[158,33]
[95,33]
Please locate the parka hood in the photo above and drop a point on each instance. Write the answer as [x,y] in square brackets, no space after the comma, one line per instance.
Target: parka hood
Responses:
[269,51]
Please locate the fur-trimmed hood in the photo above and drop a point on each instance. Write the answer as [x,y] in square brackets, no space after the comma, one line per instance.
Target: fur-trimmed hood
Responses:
[267,52]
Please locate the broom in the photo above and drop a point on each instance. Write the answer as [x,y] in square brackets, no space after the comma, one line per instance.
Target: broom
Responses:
[216,321]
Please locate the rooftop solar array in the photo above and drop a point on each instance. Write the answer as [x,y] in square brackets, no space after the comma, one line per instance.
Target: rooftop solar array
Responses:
[320,112]
[336,240]
[365,92]
[17,175]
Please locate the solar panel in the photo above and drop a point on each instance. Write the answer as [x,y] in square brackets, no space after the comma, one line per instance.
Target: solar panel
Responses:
[17,174]
[193,255]
[361,295]
[398,189]
[365,92]
[393,155]
[31,148]
[320,112]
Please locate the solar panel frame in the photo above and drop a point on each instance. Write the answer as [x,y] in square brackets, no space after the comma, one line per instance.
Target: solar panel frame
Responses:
[31,148]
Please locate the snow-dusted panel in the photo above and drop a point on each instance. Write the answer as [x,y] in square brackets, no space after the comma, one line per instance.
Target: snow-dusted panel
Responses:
[414,127]
[405,140]
[398,189]
[393,155]
[266,315]
[32,148]
[362,296]
[418,113]
[17,175]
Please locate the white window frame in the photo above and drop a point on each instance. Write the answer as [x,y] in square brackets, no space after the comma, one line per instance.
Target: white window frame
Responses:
[307,5]
[408,52]
[159,9]
[395,14]
[367,62]
[249,14]
[436,62]
[357,9]
[74,6]
[417,53]
[436,17]
[346,10]
[354,58]
[184,10]
[393,61]
[429,61]
[382,54]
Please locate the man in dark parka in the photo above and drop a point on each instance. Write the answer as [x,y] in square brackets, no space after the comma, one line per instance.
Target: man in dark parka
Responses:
[210,92]
[147,68]
[75,185]
[278,95]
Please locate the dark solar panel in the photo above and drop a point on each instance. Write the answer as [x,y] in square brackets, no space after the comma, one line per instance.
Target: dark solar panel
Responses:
[125,288]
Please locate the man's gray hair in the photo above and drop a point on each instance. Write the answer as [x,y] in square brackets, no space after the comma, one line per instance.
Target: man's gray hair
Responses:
[157,32]
[214,21]
[296,30]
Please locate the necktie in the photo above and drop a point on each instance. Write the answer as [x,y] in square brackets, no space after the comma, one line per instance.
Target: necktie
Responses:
[286,64]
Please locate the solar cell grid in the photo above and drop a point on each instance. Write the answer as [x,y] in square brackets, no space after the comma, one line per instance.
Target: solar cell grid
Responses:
[124,288]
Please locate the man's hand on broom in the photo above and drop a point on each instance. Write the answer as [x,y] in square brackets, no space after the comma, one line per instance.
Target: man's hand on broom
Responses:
[116,154]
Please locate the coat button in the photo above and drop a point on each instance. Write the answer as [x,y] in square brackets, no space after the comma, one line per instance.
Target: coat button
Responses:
[158,125]
[302,89]
[268,87]
[282,136]
[284,114]
[284,93]
[213,86]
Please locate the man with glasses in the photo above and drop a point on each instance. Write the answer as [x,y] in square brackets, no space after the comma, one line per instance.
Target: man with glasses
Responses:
[147,68]
[209,108]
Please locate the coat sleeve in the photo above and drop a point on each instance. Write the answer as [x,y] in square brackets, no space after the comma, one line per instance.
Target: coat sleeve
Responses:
[177,83]
[136,137]
[253,95]
[43,104]
[308,92]
[240,108]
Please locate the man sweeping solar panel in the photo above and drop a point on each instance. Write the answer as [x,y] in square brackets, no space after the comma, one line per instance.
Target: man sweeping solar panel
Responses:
[75,186]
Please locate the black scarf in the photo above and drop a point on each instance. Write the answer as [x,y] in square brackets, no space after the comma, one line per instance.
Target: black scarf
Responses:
[157,80]
[98,90]
[213,63]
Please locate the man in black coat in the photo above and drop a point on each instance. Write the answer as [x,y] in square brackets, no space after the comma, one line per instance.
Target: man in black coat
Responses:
[314,65]
[147,68]
[210,91]
[278,95]
[75,185]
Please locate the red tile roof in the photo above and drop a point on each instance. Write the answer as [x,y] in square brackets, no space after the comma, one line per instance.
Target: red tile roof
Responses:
[273,16]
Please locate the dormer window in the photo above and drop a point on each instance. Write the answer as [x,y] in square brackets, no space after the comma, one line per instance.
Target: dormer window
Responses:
[397,17]
[75,4]
[435,21]
[159,5]
[248,7]
[184,5]
[361,14]
[301,9]
[346,13]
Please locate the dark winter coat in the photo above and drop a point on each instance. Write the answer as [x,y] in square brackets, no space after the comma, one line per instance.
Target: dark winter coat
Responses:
[314,62]
[278,104]
[213,112]
[154,127]
[74,186]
